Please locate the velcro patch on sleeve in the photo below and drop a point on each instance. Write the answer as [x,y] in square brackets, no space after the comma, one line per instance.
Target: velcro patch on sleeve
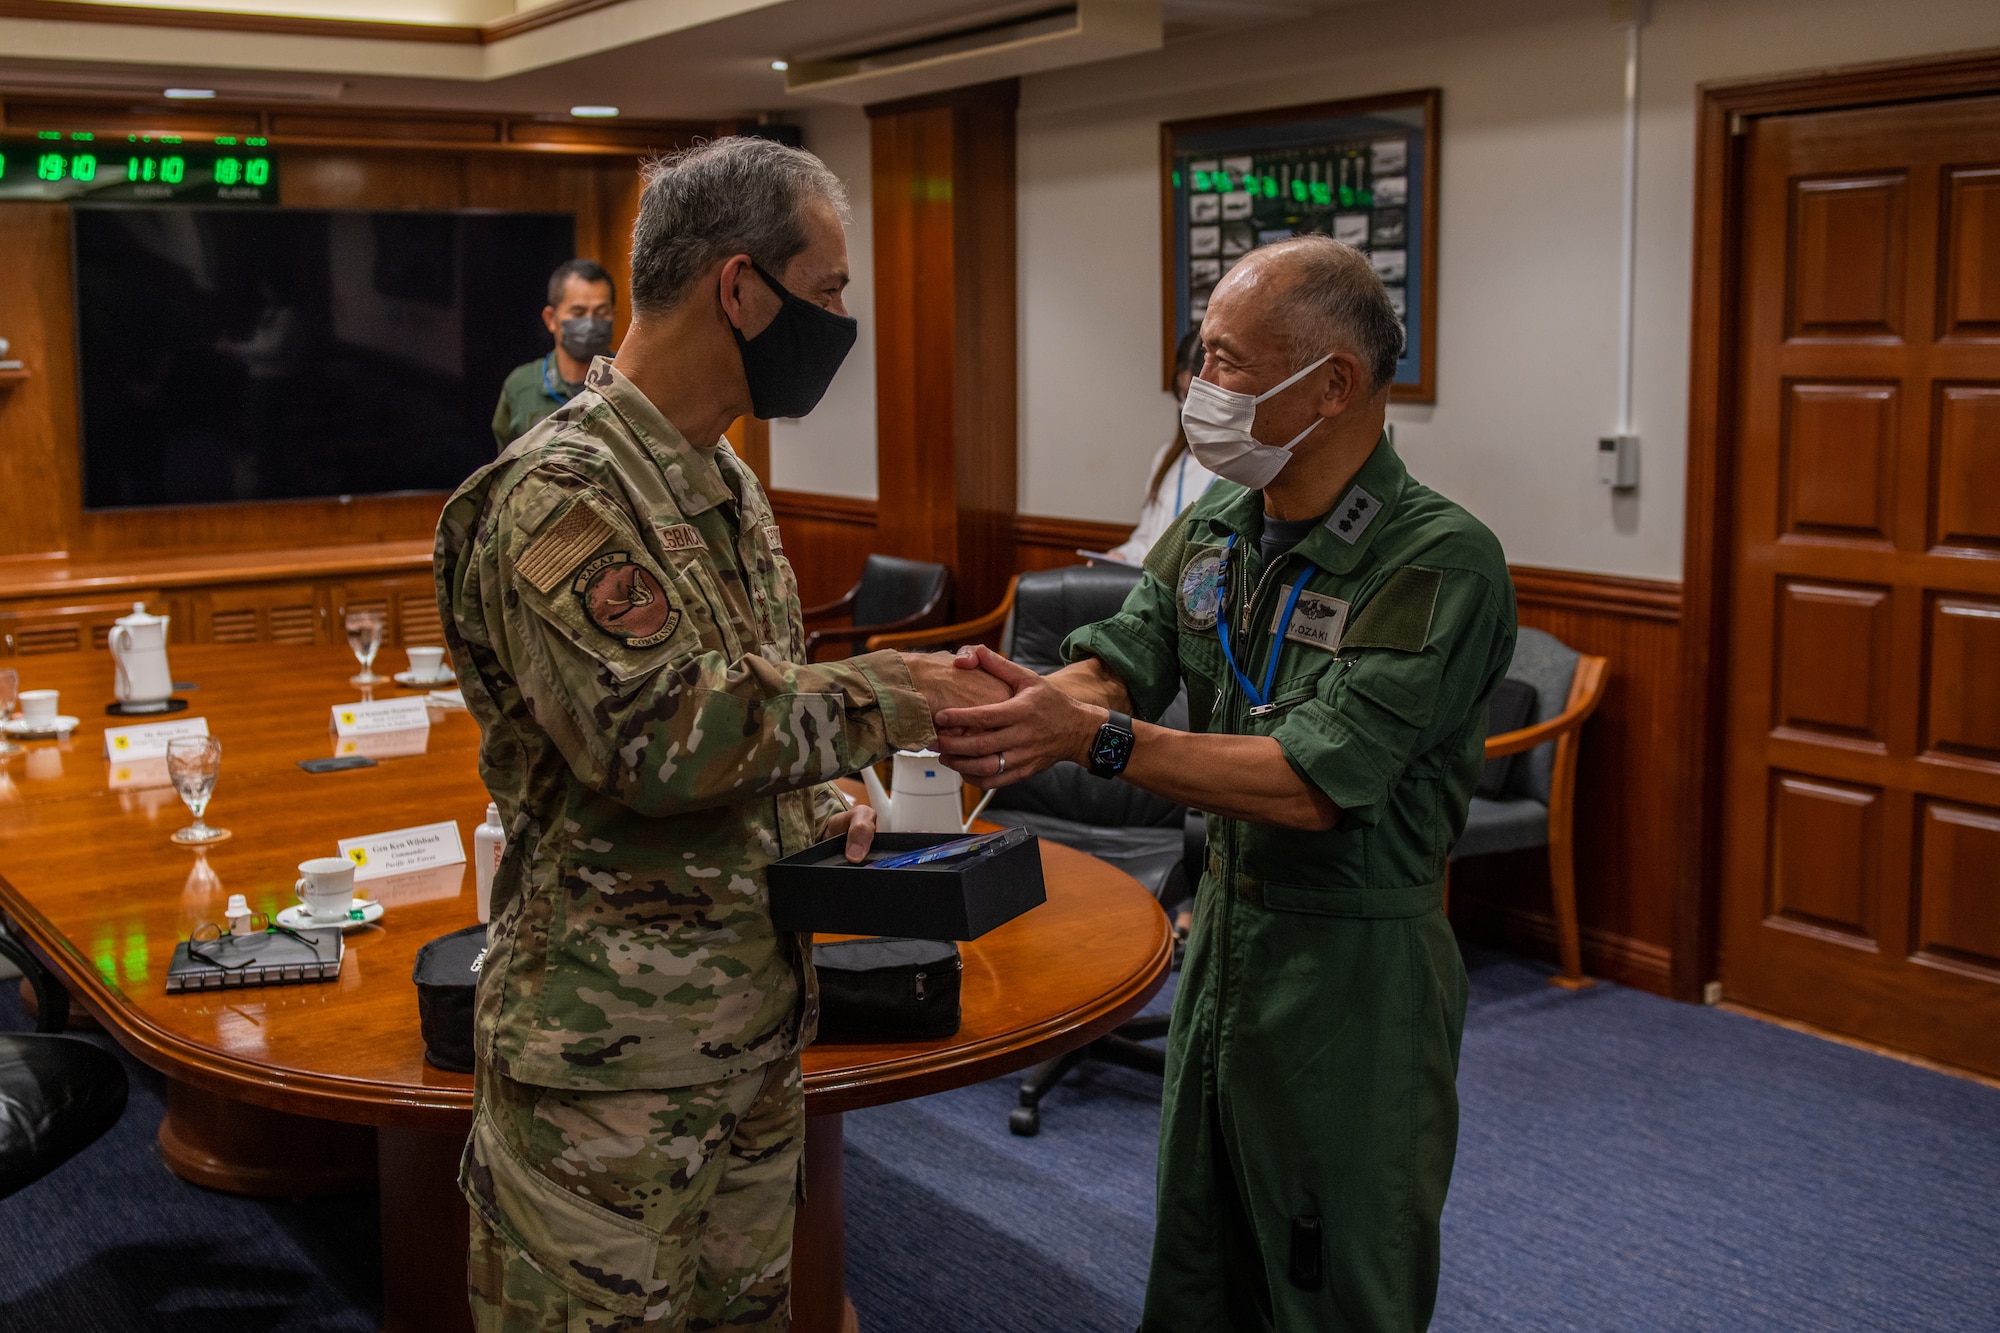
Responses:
[563,545]
[1398,616]
[625,600]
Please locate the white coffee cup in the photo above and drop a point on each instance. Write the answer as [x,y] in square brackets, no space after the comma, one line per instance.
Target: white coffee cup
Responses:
[38,707]
[426,663]
[326,887]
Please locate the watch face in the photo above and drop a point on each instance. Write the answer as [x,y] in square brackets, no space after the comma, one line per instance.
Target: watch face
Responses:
[1113,748]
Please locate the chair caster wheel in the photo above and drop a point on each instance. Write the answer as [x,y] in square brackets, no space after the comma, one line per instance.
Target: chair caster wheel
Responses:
[1025,1121]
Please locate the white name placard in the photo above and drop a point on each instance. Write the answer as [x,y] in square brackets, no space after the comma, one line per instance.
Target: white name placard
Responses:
[402,850]
[360,719]
[149,739]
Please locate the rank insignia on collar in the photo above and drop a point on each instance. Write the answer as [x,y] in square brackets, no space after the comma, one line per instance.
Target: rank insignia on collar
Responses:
[1200,599]
[1351,517]
[625,600]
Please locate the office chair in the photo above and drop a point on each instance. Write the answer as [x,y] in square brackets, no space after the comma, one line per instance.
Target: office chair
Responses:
[893,594]
[58,1095]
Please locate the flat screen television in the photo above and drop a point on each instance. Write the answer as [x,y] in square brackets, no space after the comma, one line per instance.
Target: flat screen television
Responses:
[236,354]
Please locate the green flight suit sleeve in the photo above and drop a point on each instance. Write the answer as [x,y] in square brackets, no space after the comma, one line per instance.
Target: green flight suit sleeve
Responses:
[615,656]
[1407,678]
[503,422]
[1140,645]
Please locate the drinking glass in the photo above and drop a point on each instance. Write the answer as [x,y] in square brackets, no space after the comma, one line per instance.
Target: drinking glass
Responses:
[10,690]
[193,762]
[364,636]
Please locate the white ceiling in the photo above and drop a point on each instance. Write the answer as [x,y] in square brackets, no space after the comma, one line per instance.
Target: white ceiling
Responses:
[676,59]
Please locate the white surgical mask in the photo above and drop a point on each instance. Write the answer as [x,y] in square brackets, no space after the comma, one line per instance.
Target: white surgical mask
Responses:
[1217,422]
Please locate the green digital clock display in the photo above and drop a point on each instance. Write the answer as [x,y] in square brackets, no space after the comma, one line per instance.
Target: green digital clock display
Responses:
[79,167]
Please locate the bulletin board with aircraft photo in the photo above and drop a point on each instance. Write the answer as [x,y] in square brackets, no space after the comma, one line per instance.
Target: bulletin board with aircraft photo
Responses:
[1362,171]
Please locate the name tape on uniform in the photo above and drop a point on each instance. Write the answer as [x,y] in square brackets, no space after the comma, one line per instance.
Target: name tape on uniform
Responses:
[1318,620]
[362,719]
[680,537]
[402,850]
[149,740]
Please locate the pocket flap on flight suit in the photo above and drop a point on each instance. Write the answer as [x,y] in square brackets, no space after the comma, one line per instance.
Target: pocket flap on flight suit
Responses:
[596,1255]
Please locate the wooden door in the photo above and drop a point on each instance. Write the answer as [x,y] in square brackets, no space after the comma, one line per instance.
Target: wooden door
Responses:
[1861,853]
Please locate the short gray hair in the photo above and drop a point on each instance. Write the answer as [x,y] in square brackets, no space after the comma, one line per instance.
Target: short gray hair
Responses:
[1335,300]
[732,196]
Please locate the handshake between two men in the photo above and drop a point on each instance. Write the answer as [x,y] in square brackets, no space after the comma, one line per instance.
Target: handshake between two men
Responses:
[999,723]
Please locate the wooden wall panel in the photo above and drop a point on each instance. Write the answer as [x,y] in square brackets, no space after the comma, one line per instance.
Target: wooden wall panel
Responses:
[1832,669]
[1843,283]
[1826,856]
[827,538]
[1958,913]
[945,392]
[1837,460]
[1966,468]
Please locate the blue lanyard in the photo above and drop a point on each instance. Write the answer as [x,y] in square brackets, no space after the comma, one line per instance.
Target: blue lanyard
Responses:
[549,379]
[1180,479]
[1262,697]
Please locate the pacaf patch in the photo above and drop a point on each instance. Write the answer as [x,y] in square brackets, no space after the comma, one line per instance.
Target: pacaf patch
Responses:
[1200,594]
[625,600]
[1317,620]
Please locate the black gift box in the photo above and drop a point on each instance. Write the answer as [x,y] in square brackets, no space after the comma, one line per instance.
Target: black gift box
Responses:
[956,899]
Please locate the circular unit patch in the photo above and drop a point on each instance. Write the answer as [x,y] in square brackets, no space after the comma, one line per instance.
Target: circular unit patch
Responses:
[625,600]
[1200,598]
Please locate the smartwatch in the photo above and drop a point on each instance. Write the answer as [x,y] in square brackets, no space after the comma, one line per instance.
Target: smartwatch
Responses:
[1112,749]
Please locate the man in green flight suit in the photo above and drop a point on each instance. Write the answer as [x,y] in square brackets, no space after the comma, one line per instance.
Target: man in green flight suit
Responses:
[627,630]
[582,304]
[1338,627]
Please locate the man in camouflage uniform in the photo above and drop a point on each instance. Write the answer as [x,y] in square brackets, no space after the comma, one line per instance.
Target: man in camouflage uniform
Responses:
[621,613]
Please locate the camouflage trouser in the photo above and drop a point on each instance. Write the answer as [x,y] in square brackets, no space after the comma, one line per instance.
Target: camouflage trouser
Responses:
[662,1209]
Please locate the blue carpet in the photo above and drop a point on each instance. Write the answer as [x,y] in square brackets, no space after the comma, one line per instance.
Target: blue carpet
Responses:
[1626,1164]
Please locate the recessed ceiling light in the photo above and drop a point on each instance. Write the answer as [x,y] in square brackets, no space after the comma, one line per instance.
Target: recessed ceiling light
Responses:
[781,65]
[190,94]
[594,112]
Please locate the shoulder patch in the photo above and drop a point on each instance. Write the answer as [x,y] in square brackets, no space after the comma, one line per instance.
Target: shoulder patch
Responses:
[625,600]
[681,537]
[1163,562]
[774,537]
[563,545]
[1198,593]
[1399,615]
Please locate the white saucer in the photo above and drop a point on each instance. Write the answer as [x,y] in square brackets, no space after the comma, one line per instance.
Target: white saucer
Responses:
[412,681]
[22,729]
[297,918]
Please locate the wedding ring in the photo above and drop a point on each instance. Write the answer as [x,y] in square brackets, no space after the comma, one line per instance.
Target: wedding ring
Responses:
[1003,765]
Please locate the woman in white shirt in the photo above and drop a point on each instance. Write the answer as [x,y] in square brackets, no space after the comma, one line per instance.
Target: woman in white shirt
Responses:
[1178,480]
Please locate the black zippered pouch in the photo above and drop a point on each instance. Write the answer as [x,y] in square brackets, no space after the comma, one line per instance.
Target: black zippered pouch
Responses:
[886,988]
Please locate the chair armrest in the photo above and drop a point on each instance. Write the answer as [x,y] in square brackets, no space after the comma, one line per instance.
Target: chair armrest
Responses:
[942,636]
[835,608]
[1586,692]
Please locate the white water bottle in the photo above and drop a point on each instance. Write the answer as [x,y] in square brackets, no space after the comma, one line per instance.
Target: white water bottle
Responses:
[489,843]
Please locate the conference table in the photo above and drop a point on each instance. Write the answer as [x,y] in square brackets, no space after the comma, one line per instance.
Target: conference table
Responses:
[308,1089]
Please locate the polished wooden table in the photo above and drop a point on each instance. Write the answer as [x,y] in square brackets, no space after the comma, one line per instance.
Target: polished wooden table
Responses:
[294,1090]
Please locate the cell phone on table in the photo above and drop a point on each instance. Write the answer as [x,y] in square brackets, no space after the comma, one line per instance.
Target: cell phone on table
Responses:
[334,764]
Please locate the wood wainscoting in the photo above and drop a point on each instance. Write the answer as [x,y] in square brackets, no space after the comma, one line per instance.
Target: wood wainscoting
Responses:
[1630,853]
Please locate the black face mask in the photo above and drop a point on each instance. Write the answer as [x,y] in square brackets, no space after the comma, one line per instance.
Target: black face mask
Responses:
[585,337]
[792,361]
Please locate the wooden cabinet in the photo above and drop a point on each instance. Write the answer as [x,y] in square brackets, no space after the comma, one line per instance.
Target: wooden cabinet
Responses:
[35,626]
[298,597]
[408,604]
[261,613]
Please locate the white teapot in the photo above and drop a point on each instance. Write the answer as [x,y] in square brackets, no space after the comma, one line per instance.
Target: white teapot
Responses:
[139,649]
[926,797]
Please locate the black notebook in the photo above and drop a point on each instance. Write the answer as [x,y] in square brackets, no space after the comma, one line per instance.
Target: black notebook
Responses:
[268,958]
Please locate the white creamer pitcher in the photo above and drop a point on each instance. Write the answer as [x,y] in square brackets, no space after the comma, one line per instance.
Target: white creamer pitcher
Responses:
[925,797]
[139,648]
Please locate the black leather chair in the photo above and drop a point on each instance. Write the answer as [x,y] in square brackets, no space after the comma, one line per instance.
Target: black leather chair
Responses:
[58,1094]
[893,594]
[1158,843]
